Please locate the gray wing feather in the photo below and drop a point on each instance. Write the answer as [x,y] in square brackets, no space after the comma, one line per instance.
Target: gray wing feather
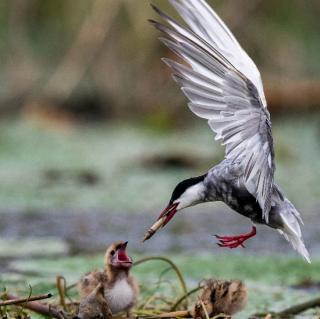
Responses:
[204,22]
[224,87]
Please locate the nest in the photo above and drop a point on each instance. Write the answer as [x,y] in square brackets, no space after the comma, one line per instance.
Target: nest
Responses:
[212,298]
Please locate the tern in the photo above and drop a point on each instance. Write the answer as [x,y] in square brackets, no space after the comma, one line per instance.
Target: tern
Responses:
[223,86]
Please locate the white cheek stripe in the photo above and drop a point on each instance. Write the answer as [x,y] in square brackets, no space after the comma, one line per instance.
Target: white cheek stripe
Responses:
[191,196]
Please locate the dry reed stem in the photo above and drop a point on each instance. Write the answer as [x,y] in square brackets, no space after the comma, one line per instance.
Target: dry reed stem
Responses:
[173,266]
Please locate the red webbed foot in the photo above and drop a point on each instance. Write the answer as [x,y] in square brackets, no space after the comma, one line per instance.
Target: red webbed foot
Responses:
[235,241]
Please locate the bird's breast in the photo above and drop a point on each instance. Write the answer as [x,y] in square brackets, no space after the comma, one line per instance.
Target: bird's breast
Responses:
[120,297]
[233,193]
[225,183]
[239,199]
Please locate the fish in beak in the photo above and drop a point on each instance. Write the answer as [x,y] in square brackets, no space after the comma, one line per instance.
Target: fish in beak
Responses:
[162,220]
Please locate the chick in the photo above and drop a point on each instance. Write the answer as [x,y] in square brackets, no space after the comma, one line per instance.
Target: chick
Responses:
[120,289]
[218,297]
[94,305]
[221,297]
[90,281]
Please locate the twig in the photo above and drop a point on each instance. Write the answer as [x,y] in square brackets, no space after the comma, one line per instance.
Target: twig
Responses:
[299,308]
[36,306]
[293,310]
[15,300]
[174,267]
[204,308]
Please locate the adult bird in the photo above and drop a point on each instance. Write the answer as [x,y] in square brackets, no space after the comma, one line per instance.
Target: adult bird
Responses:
[223,86]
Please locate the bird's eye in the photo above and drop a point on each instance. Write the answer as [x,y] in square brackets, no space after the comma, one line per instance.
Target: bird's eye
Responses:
[112,252]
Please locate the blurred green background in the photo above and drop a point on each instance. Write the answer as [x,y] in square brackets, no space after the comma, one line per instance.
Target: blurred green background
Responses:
[94,135]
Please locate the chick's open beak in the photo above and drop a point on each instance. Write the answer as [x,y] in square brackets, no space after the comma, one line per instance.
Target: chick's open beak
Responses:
[162,220]
[124,245]
[121,255]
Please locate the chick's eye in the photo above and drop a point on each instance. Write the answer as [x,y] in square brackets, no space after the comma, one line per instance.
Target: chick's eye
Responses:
[112,252]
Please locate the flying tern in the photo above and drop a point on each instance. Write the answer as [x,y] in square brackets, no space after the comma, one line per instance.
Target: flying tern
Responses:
[223,86]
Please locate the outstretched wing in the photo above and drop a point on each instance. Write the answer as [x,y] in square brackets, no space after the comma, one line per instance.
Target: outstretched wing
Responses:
[224,87]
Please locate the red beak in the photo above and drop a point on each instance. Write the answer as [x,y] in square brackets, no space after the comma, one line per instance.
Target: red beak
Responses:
[169,212]
[162,220]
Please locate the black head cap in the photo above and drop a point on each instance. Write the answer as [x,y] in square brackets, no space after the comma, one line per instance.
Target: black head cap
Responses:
[182,186]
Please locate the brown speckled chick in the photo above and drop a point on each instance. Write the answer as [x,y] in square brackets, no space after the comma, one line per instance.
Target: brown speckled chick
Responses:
[218,297]
[120,289]
[221,296]
[94,305]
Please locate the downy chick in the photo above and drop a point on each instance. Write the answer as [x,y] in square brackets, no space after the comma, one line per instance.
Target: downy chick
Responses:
[221,297]
[225,297]
[94,305]
[120,289]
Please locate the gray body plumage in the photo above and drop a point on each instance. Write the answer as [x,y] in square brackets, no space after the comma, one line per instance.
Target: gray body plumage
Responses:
[223,86]
[225,182]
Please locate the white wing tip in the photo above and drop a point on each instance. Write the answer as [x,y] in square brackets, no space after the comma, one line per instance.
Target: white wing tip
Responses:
[297,243]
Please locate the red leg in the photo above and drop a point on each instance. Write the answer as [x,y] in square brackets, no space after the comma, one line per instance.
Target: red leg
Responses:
[235,241]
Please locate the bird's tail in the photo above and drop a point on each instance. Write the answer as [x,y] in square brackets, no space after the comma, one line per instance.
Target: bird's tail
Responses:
[291,230]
